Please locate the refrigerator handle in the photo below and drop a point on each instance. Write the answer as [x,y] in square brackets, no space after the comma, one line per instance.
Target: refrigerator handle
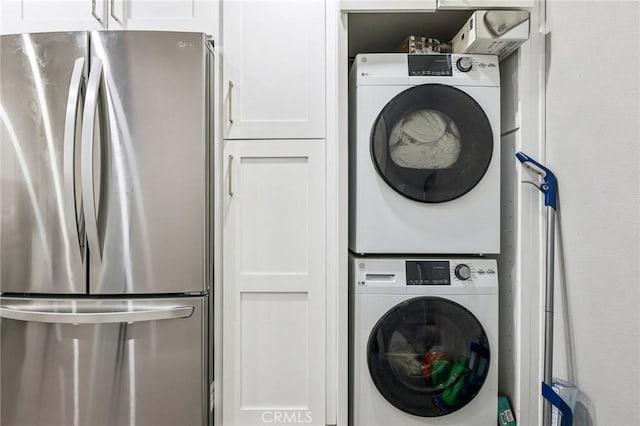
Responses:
[69,150]
[99,317]
[86,159]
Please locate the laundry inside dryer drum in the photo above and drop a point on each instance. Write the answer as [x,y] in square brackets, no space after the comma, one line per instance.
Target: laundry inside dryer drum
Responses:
[432,143]
[428,356]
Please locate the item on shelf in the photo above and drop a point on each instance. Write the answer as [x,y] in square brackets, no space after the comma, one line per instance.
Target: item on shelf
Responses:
[493,32]
[421,45]
[505,415]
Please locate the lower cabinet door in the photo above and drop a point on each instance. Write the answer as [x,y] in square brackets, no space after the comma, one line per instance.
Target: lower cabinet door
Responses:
[274,282]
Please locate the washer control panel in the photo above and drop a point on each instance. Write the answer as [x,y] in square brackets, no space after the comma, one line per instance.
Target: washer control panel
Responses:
[427,272]
[393,274]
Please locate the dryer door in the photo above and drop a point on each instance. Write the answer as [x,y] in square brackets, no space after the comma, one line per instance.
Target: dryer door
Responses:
[432,143]
[428,356]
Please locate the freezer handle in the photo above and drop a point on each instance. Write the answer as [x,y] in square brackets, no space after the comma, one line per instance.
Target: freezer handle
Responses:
[86,168]
[97,317]
[69,151]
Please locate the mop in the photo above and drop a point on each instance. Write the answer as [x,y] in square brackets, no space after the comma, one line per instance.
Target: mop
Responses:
[549,187]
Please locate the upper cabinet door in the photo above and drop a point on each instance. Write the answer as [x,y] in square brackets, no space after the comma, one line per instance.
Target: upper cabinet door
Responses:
[388,5]
[485,4]
[36,16]
[163,15]
[274,69]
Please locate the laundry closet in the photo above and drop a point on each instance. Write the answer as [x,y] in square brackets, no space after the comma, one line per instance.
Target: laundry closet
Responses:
[409,239]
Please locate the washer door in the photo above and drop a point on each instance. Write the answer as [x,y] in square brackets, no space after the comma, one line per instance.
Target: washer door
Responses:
[428,356]
[432,143]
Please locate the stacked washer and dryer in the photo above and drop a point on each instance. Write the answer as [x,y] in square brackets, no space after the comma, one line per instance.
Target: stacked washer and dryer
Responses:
[424,207]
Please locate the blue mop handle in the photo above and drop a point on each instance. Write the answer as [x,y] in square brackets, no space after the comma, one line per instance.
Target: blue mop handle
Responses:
[558,402]
[550,185]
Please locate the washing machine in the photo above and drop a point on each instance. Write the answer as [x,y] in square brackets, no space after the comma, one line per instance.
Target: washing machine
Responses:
[424,154]
[423,341]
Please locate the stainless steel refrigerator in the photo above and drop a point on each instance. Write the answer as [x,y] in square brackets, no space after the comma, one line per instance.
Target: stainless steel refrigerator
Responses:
[106,228]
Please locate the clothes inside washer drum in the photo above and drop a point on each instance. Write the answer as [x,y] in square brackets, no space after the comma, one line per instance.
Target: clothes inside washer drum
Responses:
[425,139]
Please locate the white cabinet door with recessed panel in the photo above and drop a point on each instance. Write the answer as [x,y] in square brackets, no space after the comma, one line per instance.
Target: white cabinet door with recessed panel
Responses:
[485,4]
[163,15]
[388,5]
[273,55]
[274,282]
[36,16]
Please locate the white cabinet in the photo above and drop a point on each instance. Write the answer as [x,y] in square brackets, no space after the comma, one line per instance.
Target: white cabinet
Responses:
[274,282]
[430,5]
[163,15]
[27,16]
[274,69]
[485,4]
[388,5]
[24,16]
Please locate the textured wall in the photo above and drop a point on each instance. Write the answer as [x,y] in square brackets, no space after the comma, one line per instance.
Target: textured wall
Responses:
[593,140]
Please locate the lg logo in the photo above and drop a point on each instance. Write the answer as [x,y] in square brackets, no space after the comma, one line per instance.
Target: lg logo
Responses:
[185,44]
[286,417]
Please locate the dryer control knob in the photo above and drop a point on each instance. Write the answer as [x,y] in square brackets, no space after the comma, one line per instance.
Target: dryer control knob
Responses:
[463,272]
[464,64]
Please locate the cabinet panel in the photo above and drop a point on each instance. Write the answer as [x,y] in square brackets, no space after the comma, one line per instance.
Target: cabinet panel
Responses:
[163,15]
[288,184]
[274,348]
[388,5]
[274,282]
[485,4]
[29,16]
[274,69]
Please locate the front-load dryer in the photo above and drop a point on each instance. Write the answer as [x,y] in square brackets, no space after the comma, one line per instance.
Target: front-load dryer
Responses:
[424,169]
[423,341]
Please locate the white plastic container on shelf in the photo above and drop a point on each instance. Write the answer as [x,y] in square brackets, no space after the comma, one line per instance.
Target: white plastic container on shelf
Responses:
[493,32]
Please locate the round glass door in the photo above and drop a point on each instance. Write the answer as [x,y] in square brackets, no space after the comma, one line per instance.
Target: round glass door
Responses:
[432,143]
[428,356]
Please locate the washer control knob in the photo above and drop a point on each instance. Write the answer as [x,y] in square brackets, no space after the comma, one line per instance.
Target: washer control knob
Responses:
[463,272]
[464,64]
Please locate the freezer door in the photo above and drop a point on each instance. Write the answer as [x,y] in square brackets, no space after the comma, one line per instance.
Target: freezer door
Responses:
[103,362]
[147,229]
[41,243]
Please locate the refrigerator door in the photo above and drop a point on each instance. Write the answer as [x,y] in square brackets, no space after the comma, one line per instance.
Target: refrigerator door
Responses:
[147,229]
[41,242]
[103,362]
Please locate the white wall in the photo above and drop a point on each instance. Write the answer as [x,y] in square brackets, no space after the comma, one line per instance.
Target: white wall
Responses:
[593,139]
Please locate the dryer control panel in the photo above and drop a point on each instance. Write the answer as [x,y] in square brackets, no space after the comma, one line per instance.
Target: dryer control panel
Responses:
[424,65]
